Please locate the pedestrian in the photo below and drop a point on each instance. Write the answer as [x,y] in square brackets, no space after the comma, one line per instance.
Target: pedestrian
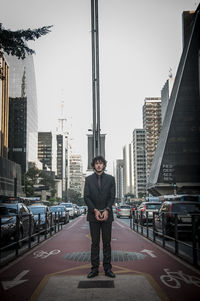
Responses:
[99,196]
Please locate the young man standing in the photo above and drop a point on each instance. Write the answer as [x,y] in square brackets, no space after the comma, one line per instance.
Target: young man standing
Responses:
[99,196]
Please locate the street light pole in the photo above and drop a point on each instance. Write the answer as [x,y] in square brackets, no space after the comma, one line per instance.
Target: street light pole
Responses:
[95,77]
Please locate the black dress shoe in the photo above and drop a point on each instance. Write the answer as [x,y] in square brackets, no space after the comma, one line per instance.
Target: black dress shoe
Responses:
[93,274]
[109,273]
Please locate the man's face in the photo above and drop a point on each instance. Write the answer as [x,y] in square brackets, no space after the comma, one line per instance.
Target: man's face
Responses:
[99,166]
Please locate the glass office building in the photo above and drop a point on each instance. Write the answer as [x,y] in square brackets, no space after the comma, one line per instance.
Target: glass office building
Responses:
[22,84]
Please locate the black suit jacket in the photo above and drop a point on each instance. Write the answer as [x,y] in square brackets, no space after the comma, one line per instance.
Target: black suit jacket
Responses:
[99,198]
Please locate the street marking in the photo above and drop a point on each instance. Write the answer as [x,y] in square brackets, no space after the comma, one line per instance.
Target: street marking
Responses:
[43,254]
[74,224]
[16,281]
[149,252]
[119,224]
[172,279]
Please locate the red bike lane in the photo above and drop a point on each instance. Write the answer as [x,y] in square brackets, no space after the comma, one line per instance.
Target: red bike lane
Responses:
[67,254]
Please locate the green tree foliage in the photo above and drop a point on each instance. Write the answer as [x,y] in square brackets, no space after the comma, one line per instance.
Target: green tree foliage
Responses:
[35,176]
[73,196]
[14,42]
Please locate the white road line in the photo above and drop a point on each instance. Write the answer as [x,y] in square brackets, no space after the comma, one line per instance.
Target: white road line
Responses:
[75,223]
[119,224]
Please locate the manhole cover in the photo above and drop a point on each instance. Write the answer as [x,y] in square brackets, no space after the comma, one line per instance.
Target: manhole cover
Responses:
[96,284]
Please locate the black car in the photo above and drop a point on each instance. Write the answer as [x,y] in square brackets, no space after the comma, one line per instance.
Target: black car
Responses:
[165,220]
[60,213]
[15,219]
[42,216]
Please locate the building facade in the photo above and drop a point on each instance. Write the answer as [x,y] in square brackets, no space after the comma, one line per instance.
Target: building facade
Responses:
[119,179]
[165,95]
[17,131]
[22,84]
[177,157]
[4,106]
[128,172]
[139,157]
[76,174]
[152,124]
[45,152]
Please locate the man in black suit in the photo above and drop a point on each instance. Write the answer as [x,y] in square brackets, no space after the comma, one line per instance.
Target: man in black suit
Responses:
[99,196]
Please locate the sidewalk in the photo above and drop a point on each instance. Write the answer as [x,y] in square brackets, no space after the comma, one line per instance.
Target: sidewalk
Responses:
[57,270]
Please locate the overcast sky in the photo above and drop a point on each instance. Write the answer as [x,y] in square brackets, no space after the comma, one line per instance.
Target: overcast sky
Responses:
[140,40]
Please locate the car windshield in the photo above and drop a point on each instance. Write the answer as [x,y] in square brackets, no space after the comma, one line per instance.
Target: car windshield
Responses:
[9,210]
[56,209]
[124,207]
[68,205]
[37,210]
[153,206]
[186,208]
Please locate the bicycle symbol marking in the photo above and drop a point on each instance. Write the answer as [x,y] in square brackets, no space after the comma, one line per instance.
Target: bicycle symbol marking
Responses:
[43,254]
[171,279]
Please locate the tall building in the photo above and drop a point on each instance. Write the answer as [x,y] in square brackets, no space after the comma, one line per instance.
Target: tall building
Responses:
[45,152]
[10,172]
[165,94]
[128,172]
[17,131]
[139,158]
[62,161]
[22,84]
[4,106]
[177,157]
[76,174]
[152,125]
[119,179]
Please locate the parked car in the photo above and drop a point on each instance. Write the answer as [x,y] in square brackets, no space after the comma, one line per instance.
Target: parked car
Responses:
[43,212]
[60,213]
[124,211]
[9,211]
[146,209]
[184,211]
[70,208]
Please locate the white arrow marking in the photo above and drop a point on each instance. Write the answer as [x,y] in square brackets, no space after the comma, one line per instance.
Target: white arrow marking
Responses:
[149,252]
[16,281]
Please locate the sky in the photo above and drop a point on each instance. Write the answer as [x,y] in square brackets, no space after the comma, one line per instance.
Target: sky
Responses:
[140,40]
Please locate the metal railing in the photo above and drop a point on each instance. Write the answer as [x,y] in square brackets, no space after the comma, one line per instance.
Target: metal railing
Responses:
[23,240]
[184,244]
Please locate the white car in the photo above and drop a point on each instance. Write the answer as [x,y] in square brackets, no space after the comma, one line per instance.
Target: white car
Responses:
[70,208]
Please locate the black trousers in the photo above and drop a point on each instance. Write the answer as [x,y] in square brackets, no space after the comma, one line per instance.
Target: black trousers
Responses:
[96,228]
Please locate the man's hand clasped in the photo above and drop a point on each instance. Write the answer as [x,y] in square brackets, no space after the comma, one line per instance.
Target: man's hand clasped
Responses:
[101,216]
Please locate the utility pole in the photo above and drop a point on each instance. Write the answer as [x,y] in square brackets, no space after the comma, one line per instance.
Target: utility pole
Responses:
[96,141]
[95,77]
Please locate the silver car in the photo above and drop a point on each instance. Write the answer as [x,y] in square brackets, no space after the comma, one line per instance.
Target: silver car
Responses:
[124,211]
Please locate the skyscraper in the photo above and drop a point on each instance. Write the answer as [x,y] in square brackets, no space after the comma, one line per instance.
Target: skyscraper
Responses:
[76,174]
[139,158]
[119,179]
[152,125]
[22,84]
[4,106]
[177,157]
[128,172]
[45,149]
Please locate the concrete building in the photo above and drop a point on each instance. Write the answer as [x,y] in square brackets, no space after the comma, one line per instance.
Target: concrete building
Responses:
[152,125]
[128,172]
[76,173]
[119,179]
[139,158]
[177,157]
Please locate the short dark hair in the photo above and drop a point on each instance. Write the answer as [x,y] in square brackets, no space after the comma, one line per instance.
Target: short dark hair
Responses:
[98,158]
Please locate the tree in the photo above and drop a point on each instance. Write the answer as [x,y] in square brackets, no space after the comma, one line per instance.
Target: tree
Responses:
[14,42]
